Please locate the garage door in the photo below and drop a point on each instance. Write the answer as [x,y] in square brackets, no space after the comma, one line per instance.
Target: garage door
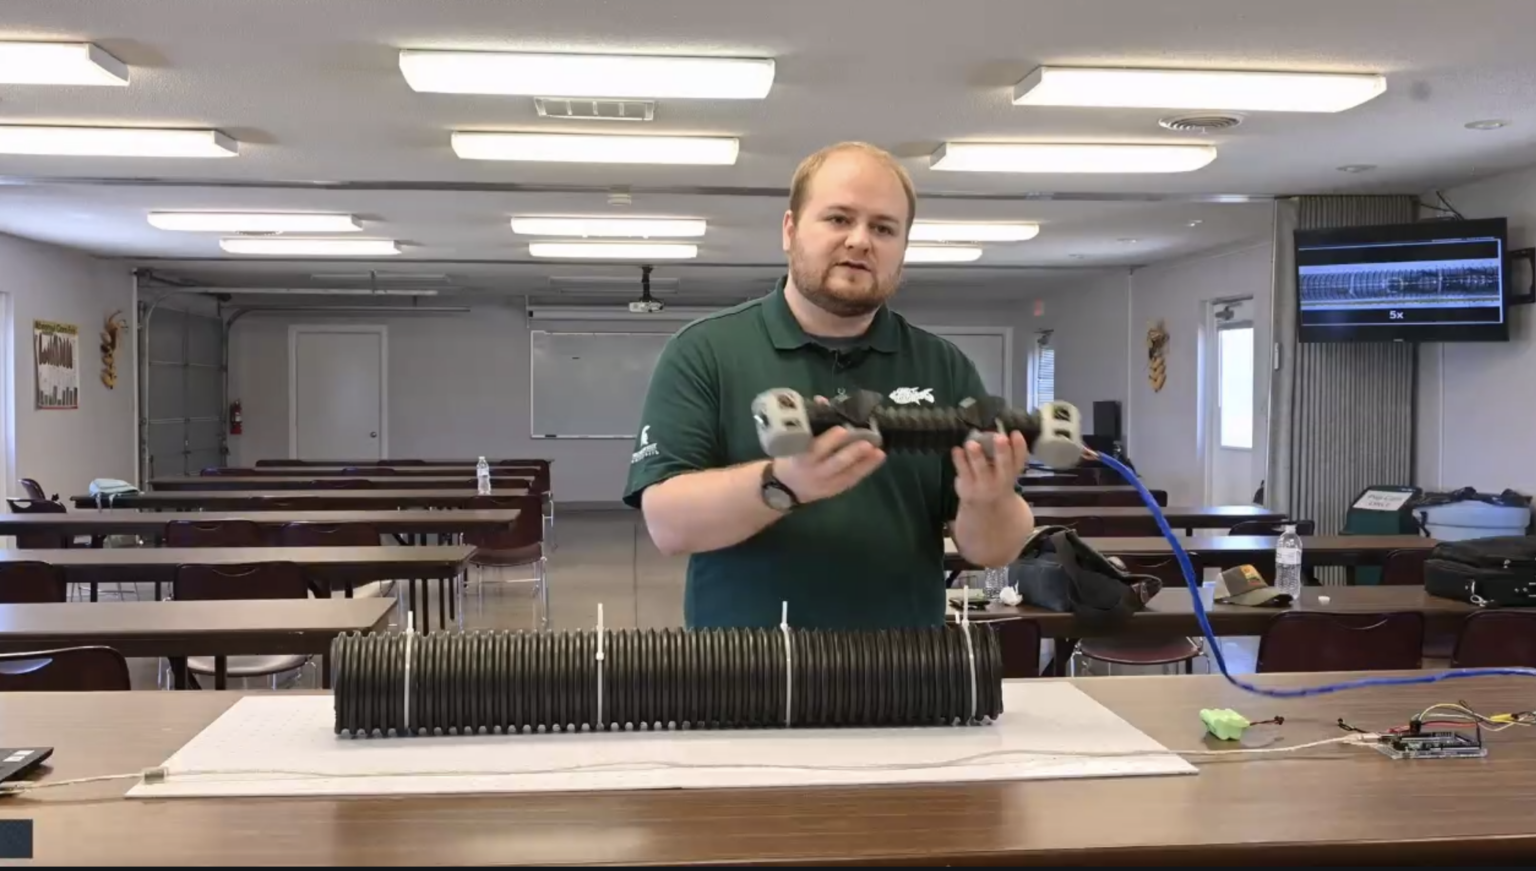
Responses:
[183,422]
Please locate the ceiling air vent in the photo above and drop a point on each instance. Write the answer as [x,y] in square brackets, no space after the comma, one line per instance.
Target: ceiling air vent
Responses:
[588,109]
[1202,123]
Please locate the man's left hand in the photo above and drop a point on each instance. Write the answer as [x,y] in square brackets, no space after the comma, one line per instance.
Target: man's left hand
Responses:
[980,481]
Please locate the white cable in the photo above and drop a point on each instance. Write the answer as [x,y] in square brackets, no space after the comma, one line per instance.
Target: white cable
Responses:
[992,757]
[789,667]
[410,637]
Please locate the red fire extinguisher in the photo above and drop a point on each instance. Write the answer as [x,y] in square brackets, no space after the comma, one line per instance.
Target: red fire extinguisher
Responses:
[234,418]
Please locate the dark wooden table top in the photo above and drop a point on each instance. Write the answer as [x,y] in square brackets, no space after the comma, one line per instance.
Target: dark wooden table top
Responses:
[497,472]
[1172,612]
[121,521]
[1078,495]
[461,461]
[390,482]
[213,628]
[1225,551]
[1332,805]
[294,500]
[1179,516]
[337,566]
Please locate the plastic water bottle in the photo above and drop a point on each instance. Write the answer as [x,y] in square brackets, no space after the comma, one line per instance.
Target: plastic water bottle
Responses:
[1288,562]
[992,583]
[483,477]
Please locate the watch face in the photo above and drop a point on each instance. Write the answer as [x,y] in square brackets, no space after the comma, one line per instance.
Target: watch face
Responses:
[776,498]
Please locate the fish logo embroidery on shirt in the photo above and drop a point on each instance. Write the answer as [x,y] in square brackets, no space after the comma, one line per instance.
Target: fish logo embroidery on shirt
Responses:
[912,395]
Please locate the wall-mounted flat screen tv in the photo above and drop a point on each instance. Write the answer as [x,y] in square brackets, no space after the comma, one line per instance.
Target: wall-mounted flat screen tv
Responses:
[1434,281]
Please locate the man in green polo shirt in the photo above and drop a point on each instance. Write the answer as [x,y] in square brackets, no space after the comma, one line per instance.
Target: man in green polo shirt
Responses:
[849,537]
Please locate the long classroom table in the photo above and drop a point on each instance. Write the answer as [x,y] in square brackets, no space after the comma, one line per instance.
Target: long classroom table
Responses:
[177,630]
[497,472]
[325,567]
[1138,521]
[1332,805]
[120,521]
[403,461]
[293,500]
[1080,495]
[391,482]
[1226,551]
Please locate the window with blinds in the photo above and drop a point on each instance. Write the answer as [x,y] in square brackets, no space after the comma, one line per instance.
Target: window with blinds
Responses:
[1043,378]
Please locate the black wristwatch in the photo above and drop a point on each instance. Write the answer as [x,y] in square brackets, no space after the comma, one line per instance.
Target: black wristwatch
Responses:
[775,494]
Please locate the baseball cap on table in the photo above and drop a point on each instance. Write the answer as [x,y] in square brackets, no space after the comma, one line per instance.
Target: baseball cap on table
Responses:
[1243,585]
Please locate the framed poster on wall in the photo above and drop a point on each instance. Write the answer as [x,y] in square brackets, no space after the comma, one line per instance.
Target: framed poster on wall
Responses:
[56,356]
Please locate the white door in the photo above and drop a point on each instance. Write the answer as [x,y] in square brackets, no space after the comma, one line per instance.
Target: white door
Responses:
[989,349]
[336,393]
[1231,477]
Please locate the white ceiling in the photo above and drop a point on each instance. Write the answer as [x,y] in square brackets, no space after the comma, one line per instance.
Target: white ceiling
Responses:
[312,91]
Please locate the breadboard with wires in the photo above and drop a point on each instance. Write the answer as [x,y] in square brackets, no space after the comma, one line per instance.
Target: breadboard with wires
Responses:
[286,746]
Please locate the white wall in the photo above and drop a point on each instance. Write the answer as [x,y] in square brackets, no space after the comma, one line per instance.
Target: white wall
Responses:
[1089,323]
[65,450]
[458,386]
[1165,427]
[1477,401]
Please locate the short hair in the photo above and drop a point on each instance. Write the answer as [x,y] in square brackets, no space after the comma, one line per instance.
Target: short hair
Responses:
[806,172]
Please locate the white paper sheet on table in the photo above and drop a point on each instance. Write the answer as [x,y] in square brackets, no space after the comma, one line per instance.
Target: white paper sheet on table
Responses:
[269,738]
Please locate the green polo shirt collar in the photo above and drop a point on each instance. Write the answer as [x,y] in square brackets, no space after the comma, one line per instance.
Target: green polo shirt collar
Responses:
[787,334]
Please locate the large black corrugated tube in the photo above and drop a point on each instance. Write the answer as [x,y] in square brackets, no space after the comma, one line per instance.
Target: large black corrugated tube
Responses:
[917,430]
[502,682]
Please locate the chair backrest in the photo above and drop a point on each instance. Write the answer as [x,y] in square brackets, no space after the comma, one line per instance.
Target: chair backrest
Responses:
[33,490]
[527,531]
[1302,641]
[28,582]
[306,534]
[1404,568]
[39,540]
[1271,527]
[1020,643]
[251,581]
[1496,639]
[65,670]
[341,484]
[370,471]
[219,533]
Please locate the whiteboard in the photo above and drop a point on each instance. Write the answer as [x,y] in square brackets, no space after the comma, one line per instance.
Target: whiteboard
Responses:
[590,385]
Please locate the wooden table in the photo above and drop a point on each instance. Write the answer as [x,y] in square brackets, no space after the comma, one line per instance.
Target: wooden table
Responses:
[390,482]
[1172,612]
[118,521]
[405,462]
[294,500]
[325,567]
[1225,551]
[1079,495]
[1334,805]
[177,630]
[1137,521]
[497,472]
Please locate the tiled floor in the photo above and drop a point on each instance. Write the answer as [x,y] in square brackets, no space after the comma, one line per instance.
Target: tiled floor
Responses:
[606,557]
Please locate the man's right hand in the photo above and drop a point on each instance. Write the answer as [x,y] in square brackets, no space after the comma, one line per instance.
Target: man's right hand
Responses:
[835,463]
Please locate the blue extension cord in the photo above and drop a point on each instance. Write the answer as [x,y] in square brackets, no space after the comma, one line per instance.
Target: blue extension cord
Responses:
[1215,649]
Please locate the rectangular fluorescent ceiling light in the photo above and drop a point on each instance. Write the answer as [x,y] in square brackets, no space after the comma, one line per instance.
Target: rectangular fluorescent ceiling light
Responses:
[311,247]
[942,253]
[615,250]
[115,142]
[254,222]
[1197,89]
[581,148]
[947,231]
[587,75]
[638,228]
[1043,157]
[59,63]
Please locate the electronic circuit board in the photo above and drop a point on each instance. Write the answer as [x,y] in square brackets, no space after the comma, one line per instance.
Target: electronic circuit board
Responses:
[1433,745]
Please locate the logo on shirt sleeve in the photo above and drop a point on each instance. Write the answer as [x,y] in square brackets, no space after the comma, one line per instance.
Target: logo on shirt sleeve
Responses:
[647,449]
[912,395]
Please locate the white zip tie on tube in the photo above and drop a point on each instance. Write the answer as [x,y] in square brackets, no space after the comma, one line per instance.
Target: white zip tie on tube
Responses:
[789,668]
[410,638]
[970,650]
[600,725]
